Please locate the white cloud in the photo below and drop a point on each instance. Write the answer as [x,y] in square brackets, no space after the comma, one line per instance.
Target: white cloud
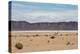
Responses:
[46,16]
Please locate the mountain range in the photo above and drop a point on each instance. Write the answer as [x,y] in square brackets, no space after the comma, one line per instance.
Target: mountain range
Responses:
[23,25]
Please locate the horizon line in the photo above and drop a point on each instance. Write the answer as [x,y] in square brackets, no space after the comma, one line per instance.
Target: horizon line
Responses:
[41,22]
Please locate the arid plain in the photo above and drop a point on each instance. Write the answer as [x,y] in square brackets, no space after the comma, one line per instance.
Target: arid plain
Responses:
[42,41]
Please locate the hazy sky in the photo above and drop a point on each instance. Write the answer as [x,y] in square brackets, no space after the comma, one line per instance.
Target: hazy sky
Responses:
[43,12]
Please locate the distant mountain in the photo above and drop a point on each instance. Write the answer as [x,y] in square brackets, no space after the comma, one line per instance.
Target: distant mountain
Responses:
[23,25]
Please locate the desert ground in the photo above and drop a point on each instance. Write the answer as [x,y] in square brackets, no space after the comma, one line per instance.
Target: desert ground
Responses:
[42,41]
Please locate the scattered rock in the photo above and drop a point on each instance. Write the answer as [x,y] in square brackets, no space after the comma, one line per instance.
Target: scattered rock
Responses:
[62,38]
[52,37]
[36,35]
[66,34]
[19,46]
[68,43]
[27,35]
[48,41]
[31,40]
[72,43]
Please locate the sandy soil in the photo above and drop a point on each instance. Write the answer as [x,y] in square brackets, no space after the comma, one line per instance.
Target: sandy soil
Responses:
[43,41]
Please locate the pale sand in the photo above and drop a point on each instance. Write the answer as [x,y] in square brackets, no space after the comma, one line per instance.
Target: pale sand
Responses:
[44,41]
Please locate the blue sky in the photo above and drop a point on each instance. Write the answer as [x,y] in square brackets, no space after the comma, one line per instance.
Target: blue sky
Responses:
[43,12]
